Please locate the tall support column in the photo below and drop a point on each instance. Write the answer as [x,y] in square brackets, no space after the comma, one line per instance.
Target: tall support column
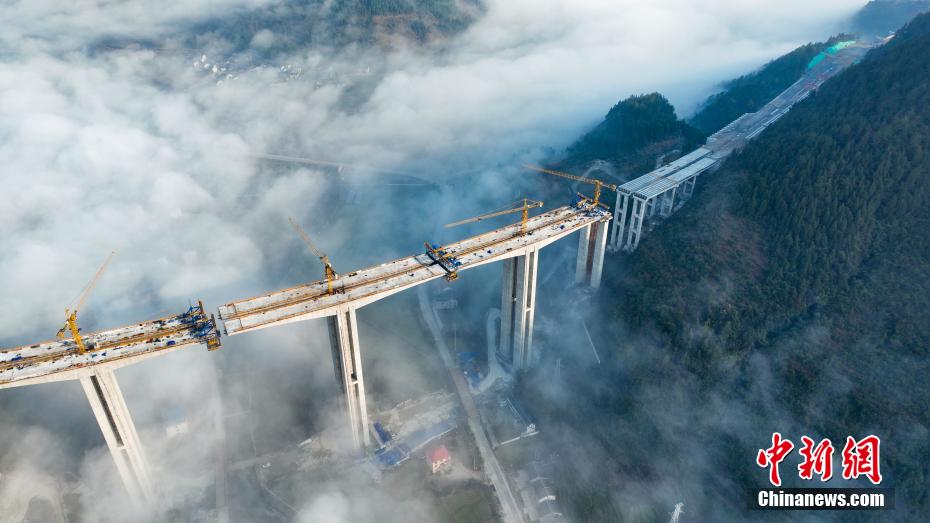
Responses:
[668,202]
[591,247]
[620,212]
[508,298]
[524,309]
[635,230]
[106,400]
[519,308]
[687,188]
[584,252]
[347,362]
[598,247]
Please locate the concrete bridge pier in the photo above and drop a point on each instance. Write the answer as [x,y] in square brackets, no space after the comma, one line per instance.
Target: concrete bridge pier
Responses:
[687,188]
[620,211]
[651,207]
[667,202]
[106,400]
[589,265]
[518,308]
[347,362]
[637,217]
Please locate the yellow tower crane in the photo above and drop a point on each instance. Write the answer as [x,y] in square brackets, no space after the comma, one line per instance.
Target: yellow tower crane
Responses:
[71,313]
[329,272]
[525,207]
[598,184]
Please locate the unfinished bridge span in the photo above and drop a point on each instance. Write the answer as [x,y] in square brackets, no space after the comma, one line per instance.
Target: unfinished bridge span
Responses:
[354,290]
[59,360]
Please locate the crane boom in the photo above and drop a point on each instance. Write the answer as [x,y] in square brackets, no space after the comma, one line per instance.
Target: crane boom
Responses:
[303,235]
[329,272]
[528,204]
[598,184]
[85,293]
[577,178]
[71,313]
[524,208]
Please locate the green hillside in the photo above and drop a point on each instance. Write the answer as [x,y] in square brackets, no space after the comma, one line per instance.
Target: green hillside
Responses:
[750,92]
[319,23]
[790,294]
[815,222]
[633,133]
[881,17]
[821,224]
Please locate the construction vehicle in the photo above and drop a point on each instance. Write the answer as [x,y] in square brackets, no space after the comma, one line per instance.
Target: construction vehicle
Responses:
[329,272]
[598,184]
[525,207]
[71,313]
[445,260]
[203,325]
[449,263]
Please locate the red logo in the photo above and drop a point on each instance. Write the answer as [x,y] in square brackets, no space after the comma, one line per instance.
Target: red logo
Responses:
[819,460]
[860,458]
[774,455]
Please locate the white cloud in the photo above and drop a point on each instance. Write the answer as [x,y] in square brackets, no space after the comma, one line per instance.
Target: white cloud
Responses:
[136,151]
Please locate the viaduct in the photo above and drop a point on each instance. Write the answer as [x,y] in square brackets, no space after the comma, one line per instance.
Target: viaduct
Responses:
[651,194]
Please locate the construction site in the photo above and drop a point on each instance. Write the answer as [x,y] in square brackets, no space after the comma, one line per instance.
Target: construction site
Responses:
[460,434]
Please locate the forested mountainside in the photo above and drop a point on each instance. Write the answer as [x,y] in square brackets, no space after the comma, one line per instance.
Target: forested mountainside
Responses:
[820,198]
[821,226]
[790,294]
[880,17]
[296,25]
[633,133]
[750,92]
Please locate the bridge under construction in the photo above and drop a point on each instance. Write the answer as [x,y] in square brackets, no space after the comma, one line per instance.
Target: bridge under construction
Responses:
[659,192]
[106,351]
[519,252]
[93,358]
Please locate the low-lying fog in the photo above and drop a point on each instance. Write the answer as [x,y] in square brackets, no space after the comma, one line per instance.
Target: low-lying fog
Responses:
[120,134]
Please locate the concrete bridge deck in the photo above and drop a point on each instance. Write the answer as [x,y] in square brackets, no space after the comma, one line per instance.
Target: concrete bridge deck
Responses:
[58,360]
[368,285]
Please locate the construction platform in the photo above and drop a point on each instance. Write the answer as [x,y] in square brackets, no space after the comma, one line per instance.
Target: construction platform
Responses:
[365,286]
[59,360]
